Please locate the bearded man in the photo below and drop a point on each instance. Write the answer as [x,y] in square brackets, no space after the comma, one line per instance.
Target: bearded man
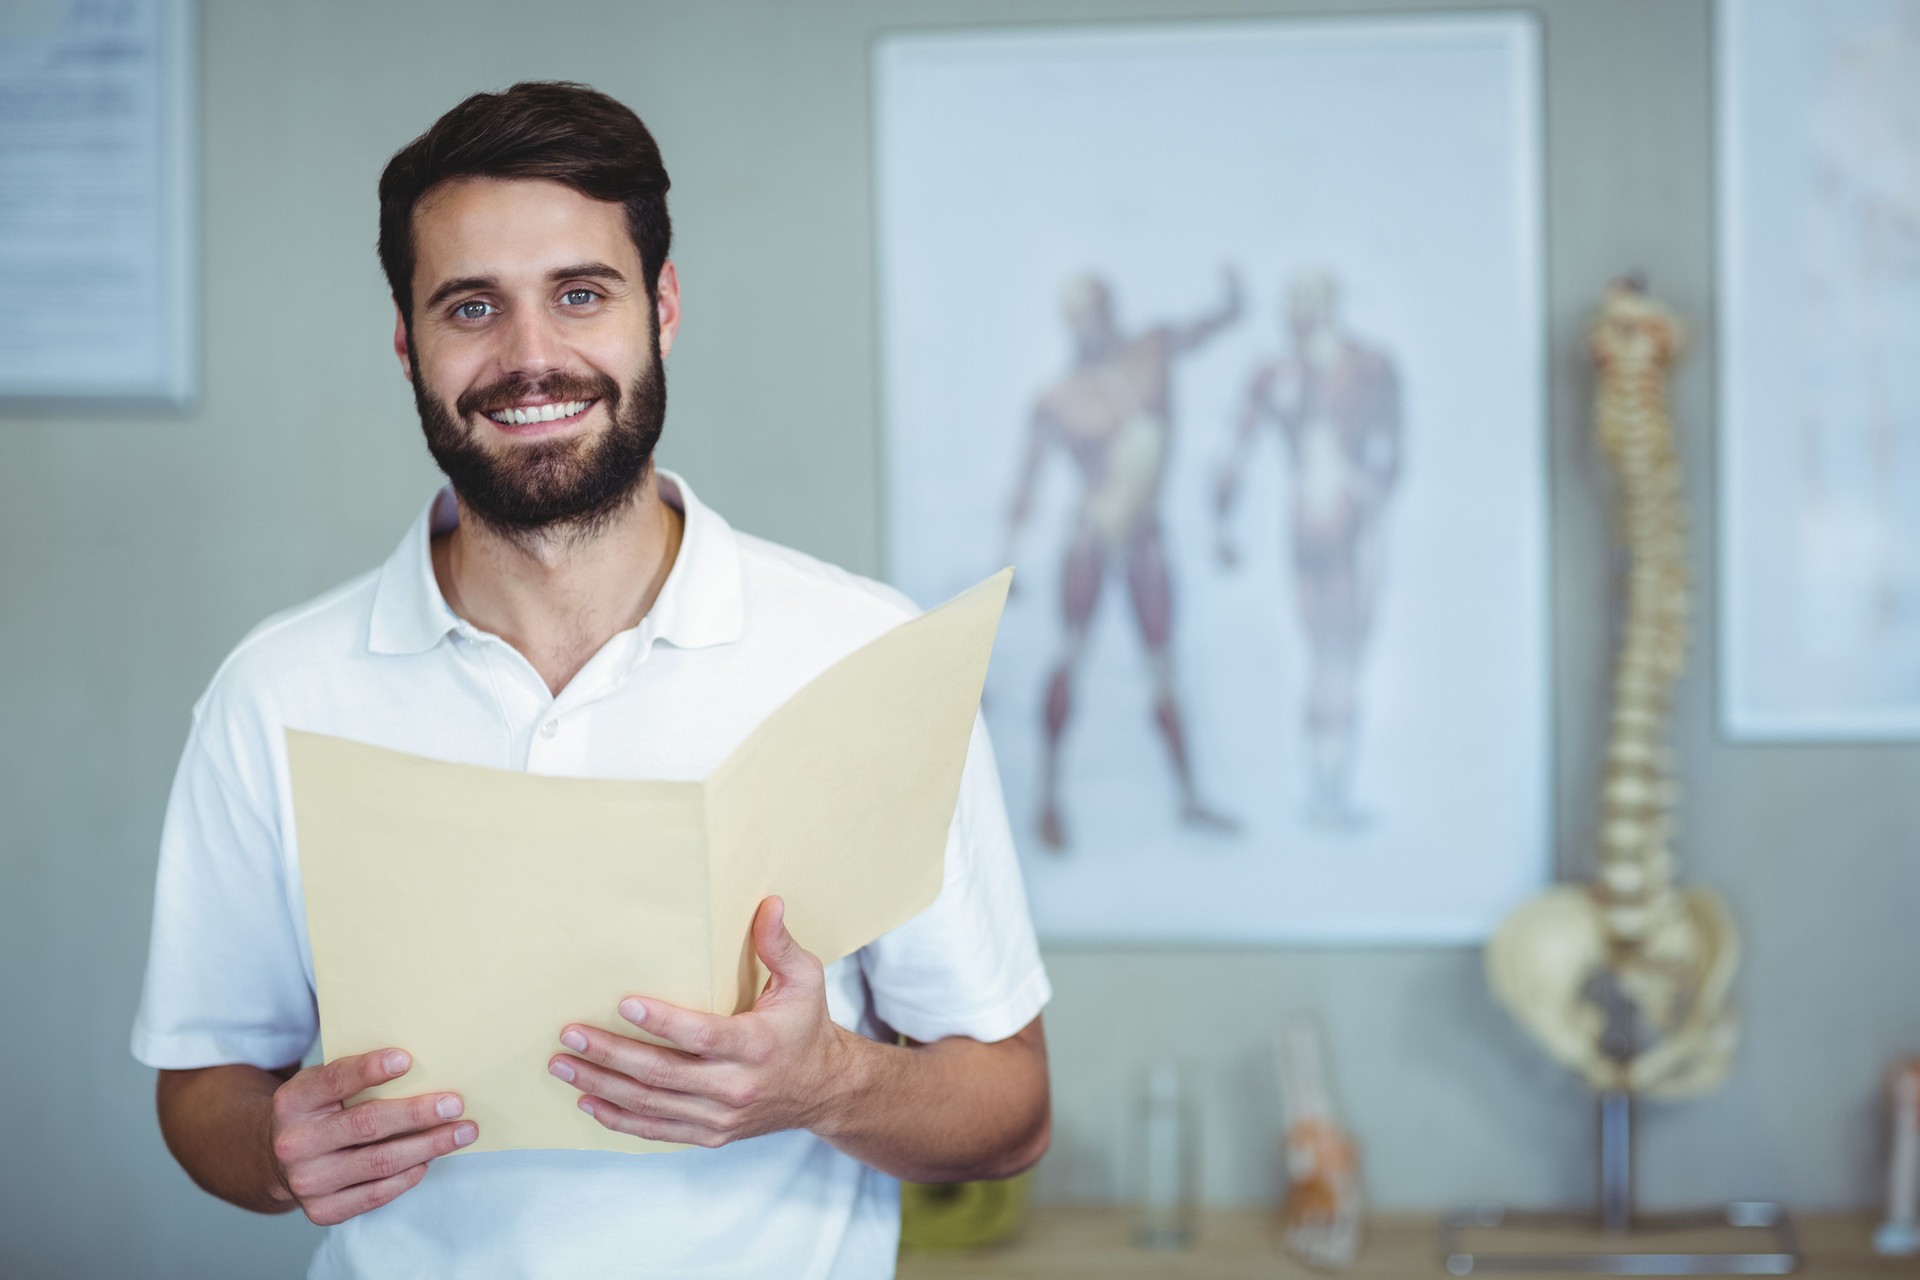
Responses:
[563,607]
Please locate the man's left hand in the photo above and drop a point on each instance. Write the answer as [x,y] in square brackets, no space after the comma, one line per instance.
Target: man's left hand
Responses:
[782,1064]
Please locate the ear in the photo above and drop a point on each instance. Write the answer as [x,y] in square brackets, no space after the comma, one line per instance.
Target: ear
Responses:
[667,302]
[400,343]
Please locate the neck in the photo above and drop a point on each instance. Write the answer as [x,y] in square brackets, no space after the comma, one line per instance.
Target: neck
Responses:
[559,596]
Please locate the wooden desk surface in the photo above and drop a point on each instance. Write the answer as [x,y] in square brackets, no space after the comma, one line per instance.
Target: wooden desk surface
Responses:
[1057,1243]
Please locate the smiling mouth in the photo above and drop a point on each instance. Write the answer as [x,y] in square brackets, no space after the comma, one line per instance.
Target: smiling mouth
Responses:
[535,413]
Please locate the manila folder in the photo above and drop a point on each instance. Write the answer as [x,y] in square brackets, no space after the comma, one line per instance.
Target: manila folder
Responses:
[466,914]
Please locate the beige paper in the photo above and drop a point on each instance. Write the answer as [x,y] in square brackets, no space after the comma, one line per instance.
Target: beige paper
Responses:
[466,914]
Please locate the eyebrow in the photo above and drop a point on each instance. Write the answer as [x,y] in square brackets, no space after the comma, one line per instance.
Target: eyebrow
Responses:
[579,271]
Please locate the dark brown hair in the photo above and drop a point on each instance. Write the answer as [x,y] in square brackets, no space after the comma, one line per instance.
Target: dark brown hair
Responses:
[552,129]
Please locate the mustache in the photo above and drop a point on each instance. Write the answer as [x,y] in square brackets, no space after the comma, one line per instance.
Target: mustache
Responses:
[508,392]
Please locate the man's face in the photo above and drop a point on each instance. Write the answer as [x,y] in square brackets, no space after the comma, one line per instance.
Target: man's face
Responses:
[535,353]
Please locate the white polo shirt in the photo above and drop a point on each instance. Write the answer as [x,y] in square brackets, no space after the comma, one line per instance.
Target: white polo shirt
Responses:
[739,625]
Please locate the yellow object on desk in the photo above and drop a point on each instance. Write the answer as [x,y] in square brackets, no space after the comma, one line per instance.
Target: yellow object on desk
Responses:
[961,1215]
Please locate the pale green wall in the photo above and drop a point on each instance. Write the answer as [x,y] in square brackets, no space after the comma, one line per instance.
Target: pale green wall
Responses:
[134,551]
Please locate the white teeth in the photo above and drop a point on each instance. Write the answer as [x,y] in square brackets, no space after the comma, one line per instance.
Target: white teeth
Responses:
[539,413]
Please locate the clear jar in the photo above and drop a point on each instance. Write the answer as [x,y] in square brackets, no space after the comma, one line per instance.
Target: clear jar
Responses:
[1166,1163]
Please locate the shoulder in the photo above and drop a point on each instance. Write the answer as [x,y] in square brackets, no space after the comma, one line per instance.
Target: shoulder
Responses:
[286,655]
[801,593]
[292,638]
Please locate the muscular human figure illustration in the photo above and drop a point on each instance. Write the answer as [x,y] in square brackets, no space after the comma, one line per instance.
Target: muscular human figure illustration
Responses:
[1112,415]
[1336,403]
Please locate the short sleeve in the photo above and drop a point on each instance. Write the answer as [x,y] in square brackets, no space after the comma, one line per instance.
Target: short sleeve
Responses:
[969,964]
[225,982]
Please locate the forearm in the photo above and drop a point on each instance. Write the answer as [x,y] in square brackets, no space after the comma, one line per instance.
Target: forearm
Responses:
[951,1111]
[217,1122]
[1188,336]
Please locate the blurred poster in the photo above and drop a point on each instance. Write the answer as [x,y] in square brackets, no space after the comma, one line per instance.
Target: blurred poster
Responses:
[95,199]
[1229,336]
[1820,387]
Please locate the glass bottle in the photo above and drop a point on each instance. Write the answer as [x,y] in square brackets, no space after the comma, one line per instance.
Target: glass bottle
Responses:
[1166,1163]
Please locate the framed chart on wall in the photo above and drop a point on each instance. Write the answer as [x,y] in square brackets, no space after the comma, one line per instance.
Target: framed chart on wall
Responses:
[1229,336]
[97,274]
[1819,386]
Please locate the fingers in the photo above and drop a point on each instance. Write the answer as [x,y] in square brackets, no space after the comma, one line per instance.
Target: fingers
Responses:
[346,1170]
[706,1035]
[646,1100]
[339,1161]
[331,1210]
[371,1121]
[656,1065]
[320,1088]
[620,1120]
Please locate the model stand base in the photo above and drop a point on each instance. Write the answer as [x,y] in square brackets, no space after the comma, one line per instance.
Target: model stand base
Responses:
[1776,1254]
[1618,1241]
[1896,1240]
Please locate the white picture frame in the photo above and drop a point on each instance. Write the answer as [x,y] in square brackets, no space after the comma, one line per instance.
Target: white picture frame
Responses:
[1819,315]
[98,268]
[1366,703]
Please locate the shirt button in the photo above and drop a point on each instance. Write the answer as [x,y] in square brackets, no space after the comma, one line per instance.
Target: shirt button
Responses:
[550,728]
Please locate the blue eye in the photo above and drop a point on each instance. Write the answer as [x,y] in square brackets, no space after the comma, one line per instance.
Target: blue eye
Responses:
[467,310]
[578,297]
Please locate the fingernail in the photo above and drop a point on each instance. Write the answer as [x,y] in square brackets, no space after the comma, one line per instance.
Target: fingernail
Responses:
[632,1010]
[396,1062]
[465,1134]
[574,1041]
[586,1105]
[562,1069]
[448,1107]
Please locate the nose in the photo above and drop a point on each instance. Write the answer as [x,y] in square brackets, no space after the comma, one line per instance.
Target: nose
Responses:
[532,345]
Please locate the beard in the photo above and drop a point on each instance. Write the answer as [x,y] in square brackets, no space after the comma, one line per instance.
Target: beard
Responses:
[569,487]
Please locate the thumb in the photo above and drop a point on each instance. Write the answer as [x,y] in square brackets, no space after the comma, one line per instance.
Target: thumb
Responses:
[785,958]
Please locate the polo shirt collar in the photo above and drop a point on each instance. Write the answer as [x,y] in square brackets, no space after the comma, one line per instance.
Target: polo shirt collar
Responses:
[700,604]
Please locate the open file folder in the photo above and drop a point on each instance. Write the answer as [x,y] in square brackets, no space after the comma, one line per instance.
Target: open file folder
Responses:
[466,914]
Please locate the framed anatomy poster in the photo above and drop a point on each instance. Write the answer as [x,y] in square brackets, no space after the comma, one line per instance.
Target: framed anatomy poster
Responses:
[1819,385]
[1229,337]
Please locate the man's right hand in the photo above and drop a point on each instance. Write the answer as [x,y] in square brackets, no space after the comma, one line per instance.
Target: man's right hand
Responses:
[335,1161]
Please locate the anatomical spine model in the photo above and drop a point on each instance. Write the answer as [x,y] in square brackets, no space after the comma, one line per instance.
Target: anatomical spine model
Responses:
[1669,952]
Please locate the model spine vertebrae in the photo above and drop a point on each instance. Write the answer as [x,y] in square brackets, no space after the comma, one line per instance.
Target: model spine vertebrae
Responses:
[1670,952]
